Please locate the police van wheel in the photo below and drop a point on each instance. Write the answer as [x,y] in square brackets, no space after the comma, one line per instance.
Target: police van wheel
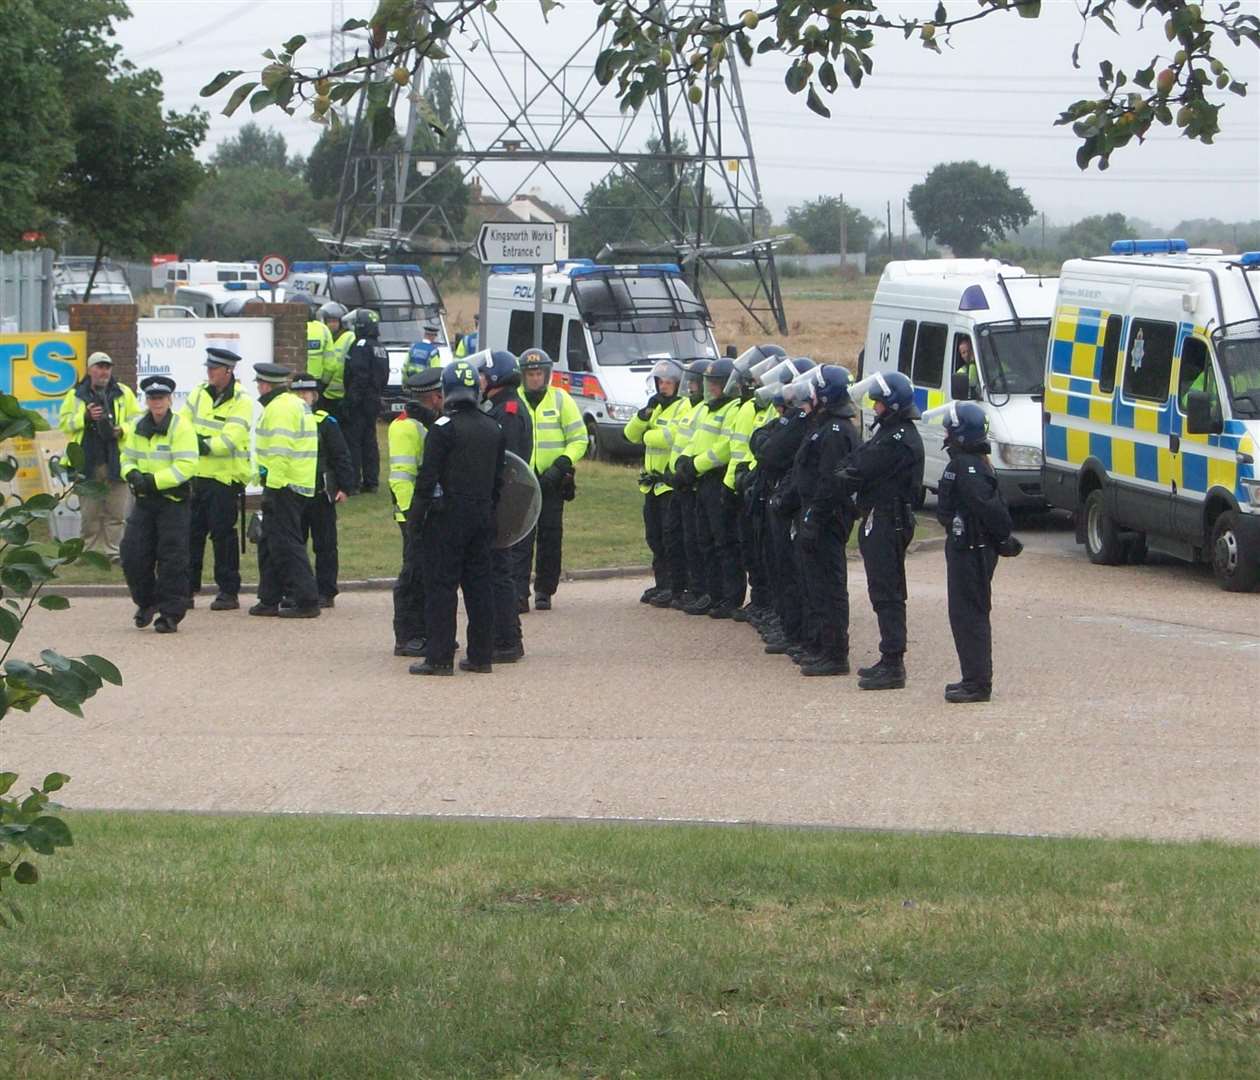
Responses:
[1102,539]
[594,451]
[1236,568]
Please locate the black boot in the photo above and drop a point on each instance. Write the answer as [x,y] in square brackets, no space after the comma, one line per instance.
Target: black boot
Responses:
[827,666]
[699,606]
[883,661]
[962,693]
[887,675]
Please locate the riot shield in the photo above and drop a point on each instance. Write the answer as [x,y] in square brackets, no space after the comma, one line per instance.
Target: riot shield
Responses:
[520,502]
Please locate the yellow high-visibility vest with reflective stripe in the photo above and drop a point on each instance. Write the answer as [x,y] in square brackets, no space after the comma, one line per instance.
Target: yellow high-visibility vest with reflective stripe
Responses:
[287,444]
[171,457]
[710,445]
[657,434]
[406,449]
[332,364]
[226,428]
[558,428]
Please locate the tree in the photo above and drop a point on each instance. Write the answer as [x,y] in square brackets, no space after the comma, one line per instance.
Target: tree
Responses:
[818,222]
[966,205]
[254,146]
[823,45]
[28,821]
[1093,235]
[251,210]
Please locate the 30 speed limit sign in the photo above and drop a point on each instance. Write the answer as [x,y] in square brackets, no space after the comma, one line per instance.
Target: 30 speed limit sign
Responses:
[273,269]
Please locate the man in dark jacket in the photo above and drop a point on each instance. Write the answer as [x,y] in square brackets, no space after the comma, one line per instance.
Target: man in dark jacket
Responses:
[366,376]
[978,528]
[456,495]
[334,476]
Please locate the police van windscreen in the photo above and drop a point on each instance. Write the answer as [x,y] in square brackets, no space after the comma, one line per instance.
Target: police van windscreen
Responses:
[1240,363]
[405,302]
[1013,356]
[634,319]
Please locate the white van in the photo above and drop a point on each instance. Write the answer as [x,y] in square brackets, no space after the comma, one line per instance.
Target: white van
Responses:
[928,314]
[604,326]
[187,272]
[399,293]
[1152,405]
[209,301]
[70,277]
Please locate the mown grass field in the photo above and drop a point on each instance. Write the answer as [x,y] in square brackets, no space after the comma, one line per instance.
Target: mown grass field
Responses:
[177,945]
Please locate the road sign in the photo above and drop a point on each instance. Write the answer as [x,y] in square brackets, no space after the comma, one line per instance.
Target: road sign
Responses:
[522,244]
[273,269]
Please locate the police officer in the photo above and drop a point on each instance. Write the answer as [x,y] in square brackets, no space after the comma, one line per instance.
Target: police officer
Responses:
[159,459]
[319,339]
[95,413]
[560,441]
[423,353]
[456,493]
[885,474]
[407,434]
[333,478]
[826,518]
[330,369]
[222,416]
[288,452]
[470,342]
[366,376]
[978,530]
[653,426]
[682,510]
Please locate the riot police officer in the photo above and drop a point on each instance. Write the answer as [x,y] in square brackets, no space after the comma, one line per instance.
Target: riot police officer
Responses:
[456,495]
[885,474]
[366,376]
[978,528]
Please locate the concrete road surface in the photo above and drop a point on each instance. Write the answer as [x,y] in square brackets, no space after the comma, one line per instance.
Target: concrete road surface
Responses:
[1125,706]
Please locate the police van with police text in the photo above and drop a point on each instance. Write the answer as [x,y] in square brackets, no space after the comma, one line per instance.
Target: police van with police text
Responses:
[1152,406]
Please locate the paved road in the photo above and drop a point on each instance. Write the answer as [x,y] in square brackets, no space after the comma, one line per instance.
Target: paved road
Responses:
[1125,705]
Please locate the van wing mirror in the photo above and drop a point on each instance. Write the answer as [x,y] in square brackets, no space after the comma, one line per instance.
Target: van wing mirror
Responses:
[960,386]
[1199,419]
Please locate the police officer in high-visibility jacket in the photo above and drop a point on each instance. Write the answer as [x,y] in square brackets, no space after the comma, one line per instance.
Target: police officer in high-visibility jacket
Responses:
[159,459]
[407,433]
[425,353]
[287,445]
[655,427]
[222,416]
[319,341]
[682,509]
[560,441]
[330,368]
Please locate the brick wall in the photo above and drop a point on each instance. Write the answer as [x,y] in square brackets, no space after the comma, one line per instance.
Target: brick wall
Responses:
[110,328]
[289,334]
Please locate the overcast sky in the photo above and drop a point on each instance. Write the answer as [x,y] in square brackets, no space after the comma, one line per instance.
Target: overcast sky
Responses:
[993,97]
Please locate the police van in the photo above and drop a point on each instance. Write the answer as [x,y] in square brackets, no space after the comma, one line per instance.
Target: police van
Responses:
[189,272]
[1152,407]
[213,300]
[604,327]
[399,293]
[71,274]
[969,329]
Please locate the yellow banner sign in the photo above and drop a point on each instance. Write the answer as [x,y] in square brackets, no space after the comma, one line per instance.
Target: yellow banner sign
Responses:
[39,369]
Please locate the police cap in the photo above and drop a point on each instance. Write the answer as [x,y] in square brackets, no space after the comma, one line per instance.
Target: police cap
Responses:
[431,328]
[273,373]
[157,386]
[424,380]
[216,357]
[304,381]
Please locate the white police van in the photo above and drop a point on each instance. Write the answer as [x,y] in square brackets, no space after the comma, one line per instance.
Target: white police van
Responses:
[213,300]
[1152,405]
[927,314]
[399,293]
[189,272]
[604,327]
[71,274]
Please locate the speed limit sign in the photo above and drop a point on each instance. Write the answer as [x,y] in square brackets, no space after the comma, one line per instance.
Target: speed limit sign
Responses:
[273,269]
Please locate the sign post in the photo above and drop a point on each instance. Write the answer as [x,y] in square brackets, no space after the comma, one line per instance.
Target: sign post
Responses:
[273,269]
[516,243]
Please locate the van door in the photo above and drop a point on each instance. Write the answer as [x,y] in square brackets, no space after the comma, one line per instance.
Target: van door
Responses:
[1150,454]
[928,373]
[1205,463]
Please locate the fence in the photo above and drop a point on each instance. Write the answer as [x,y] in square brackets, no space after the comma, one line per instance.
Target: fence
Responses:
[26,292]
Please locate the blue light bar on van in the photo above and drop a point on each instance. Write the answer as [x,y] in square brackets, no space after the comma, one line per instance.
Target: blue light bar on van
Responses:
[564,265]
[1149,247]
[973,299]
[643,269]
[308,267]
[373,268]
[1249,258]
[237,286]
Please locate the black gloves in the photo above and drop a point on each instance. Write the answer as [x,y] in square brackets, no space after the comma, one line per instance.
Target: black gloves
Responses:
[549,479]
[645,413]
[203,446]
[685,470]
[1010,547]
[141,483]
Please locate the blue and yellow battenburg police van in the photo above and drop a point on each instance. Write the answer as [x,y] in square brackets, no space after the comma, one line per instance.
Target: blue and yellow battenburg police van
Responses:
[1151,419]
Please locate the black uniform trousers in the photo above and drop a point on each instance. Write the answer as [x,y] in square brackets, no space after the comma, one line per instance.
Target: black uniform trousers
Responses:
[154,554]
[665,541]
[969,574]
[215,507]
[456,543]
[750,552]
[319,525]
[409,624]
[685,510]
[359,427]
[883,548]
[548,537]
[787,592]
[507,617]
[283,568]
[719,540]
[825,572]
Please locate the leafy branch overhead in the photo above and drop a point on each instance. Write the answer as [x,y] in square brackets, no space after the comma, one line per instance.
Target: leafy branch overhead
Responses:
[823,45]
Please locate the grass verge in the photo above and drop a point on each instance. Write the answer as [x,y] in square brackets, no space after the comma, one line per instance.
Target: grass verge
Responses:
[172,945]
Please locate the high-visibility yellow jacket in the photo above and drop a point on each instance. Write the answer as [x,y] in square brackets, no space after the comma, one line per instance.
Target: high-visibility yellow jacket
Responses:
[710,445]
[170,454]
[225,426]
[287,443]
[657,434]
[330,366]
[73,416]
[747,420]
[684,428]
[318,341]
[558,428]
[406,450]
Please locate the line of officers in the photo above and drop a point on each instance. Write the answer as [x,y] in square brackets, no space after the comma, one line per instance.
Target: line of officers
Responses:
[755,474]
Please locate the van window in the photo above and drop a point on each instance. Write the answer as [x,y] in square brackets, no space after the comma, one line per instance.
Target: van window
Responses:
[1148,359]
[1196,371]
[929,355]
[183,275]
[228,275]
[521,333]
[575,354]
[905,352]
[1111,349]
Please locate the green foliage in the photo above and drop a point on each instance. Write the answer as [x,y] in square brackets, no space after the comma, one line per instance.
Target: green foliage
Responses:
[249,210]
[818,222]
[1093,235]
[823,46]
[66,682]
[966,205]
[253,146]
